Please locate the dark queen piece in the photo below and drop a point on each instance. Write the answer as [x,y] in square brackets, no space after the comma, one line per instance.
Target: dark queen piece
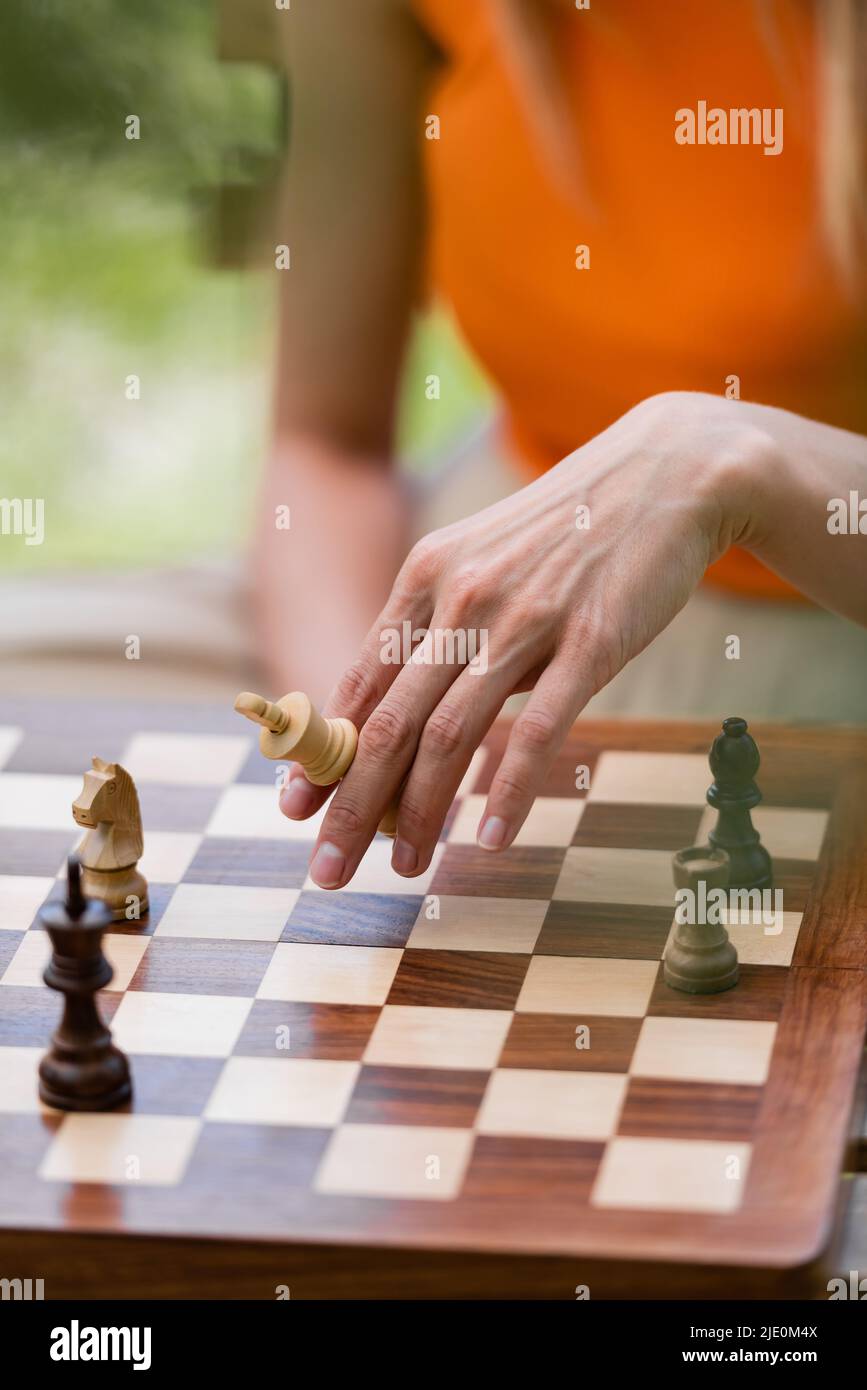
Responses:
[734,762]
[83,1070]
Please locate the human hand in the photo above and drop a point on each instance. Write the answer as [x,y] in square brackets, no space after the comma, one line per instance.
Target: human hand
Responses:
[562,608]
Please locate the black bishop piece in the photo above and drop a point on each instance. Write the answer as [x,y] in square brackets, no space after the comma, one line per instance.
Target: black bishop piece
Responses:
[734,762]
[83,1070]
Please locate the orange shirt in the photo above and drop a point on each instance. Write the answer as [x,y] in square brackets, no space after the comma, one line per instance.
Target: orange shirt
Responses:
[706,261]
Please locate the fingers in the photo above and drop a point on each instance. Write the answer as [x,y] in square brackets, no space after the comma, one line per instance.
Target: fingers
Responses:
[359,690]
[536,737]
[386,747]
[450,736]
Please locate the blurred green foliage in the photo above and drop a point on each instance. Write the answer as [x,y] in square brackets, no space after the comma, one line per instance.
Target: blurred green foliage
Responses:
[72,70]
[105,273]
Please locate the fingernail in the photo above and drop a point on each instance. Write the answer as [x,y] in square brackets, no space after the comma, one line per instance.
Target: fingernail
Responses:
[492,833]
[404,859]
[326,869]
[296,799]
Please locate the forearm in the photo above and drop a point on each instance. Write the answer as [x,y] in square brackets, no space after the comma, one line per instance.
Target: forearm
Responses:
[353,217]
[809,465]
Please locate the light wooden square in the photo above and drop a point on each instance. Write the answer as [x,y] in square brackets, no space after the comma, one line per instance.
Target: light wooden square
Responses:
[273,1091]
[634,877]
[248,811]
[183,1025]
[10,737]
[395,1161]
[717,1050]
[700,1175]
[375,874]
[139,1150]
[585,985]
[480,924]
[653,779]
[407,1035]
[552,1104]
[191,760]
[123,951]
[473,772]
[765,945]
[787,832]
[19,1079]
[328,974]
[552,821]
[166,856]
[757,944]
[21,896]
[227,911]
[37,801]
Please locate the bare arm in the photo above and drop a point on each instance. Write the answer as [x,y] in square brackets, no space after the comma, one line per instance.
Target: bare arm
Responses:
[808,465]
[667,489]
[353,217]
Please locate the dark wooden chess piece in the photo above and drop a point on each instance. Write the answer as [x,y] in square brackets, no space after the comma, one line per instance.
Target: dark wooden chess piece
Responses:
[700,958]
[83,1069]
[734,762]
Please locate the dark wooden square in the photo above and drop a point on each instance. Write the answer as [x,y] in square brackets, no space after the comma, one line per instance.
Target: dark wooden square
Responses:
[795,877]
[661,1109]
[757,995]
[250,1172]
[39,852]
[335,1031]
[194,965]
[176,808]
[28,1016]
[433,1096]
[548,1042]
[251,863]
[518,1169]
[62,750]
[353,919]
[459,979]
[173,1085]
[9,943]
[262,771]
[607,825]
[159,896]
[604,929]
[519,872]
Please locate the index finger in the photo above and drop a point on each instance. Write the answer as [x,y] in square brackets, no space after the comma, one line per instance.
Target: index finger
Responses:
[360,689]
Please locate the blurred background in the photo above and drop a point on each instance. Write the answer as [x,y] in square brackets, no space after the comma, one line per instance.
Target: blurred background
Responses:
[140,311]
[142,257]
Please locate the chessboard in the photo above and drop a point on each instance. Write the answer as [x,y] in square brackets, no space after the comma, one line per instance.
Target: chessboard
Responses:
[472,1083]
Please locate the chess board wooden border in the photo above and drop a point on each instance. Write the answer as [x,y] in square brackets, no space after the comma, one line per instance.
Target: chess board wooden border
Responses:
[775,1245]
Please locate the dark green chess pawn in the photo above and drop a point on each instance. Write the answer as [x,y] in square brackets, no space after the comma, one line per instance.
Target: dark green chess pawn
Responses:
[734,762]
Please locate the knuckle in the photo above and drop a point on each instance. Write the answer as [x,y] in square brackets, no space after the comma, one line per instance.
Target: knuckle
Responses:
[346,818]
[470,587]
[444,733]
[509,786]
[535,616]
[423,563]
[596,640]
[535,730]
[413,820]
[389,730]
[356,688]
[465,578]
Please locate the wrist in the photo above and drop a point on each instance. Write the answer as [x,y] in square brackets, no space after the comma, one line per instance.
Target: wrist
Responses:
[740,477]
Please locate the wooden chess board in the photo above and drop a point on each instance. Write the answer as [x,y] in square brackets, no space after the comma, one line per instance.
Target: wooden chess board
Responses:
[386,1090]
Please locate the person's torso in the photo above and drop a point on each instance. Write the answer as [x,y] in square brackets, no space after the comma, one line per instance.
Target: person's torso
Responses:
[706,262]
